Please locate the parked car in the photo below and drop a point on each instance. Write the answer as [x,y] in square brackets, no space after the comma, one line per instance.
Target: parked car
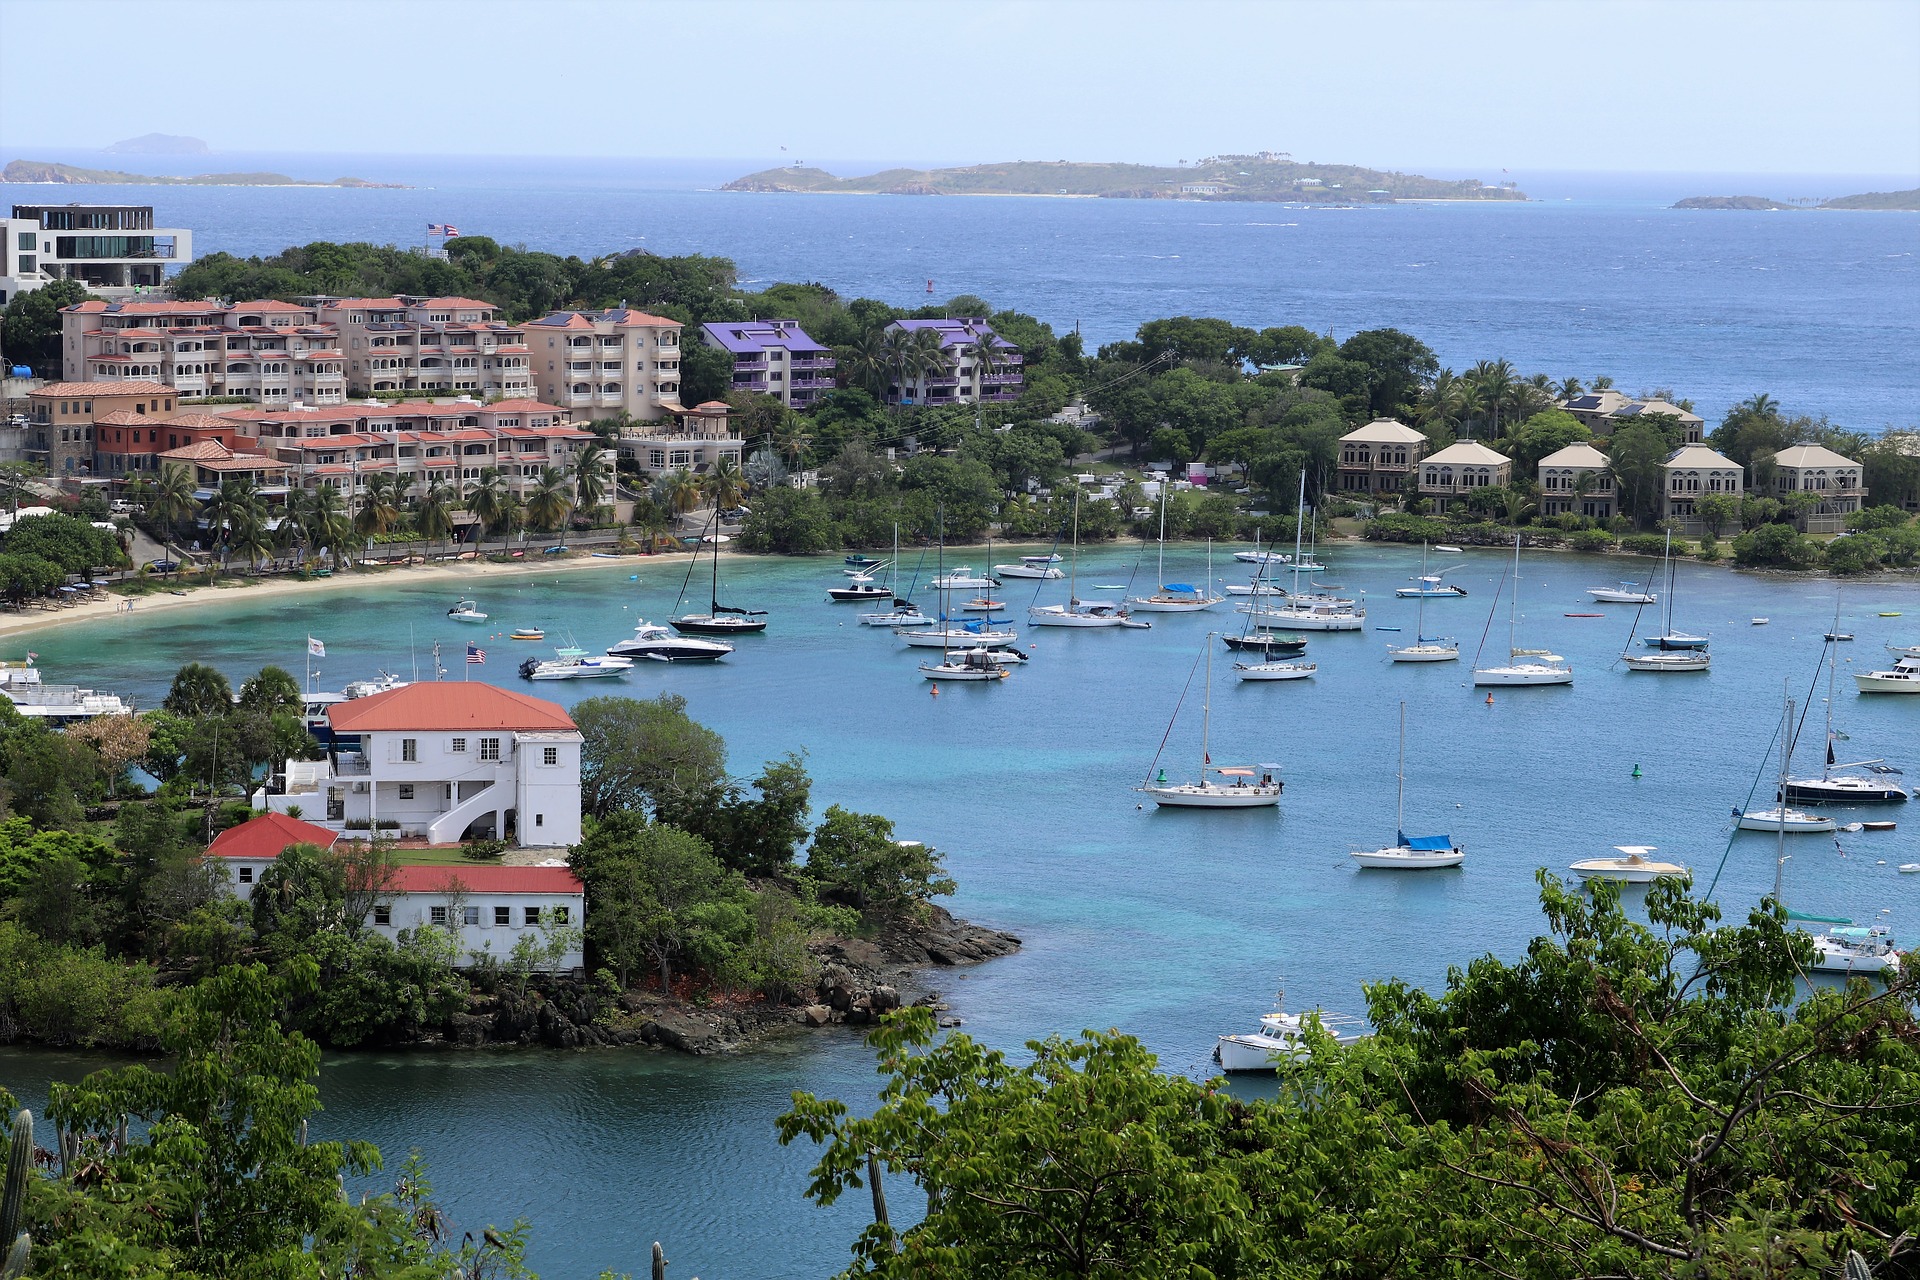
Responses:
[162,566]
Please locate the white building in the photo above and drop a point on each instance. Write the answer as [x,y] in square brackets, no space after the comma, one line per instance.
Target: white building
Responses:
[487,908]
[1695,471]
[601,364]
[1457,470]
[1576,481]
[114,249]
[1378,457]
[444,762]
[1834,477]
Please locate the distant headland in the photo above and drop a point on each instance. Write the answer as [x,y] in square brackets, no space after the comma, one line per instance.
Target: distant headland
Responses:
[1265,176]
[47,171]
[159,144]
[1898,201]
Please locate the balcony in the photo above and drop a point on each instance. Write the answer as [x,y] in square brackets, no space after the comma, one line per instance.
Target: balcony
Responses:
[739,364]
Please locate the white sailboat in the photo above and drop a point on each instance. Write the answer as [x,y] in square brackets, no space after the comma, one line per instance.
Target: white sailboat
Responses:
[1410,853]
[1076,612]
[1780,817]
[1675,651]
[1425,648]
[1848,782]
[1523,666]
[1309,611]
[974,664]
[1175,597]
[1240,788]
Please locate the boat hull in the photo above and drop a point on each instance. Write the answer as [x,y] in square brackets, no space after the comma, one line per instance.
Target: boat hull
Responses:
[1268,647]
[1796,823]
[1676,660]
[959,639]
[898,619]
[1603,595]
[1401,858]
[1258,671]
[1841,791]
[946,671]
[1059,617]
[1425,653]
[1211,796]
[1421,593]
[1022,571]
[1525,674]
[668,651]
[1247,1053]
[700,625]
[1676,641]
[1887,681]
[851,595]
[1154,604]
[1314,621]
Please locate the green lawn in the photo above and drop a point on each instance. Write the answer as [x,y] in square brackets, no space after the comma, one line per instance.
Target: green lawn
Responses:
[436,858]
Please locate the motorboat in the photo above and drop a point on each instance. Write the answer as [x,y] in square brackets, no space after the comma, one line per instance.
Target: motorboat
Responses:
[466,611]
[1668,660]
[1262,558]
[1231,787]
[1523,666]
[572,663]
[1446,550]
[1268,644]
[652,641]
[860,590]
[898,616]
[1795,821]
[1902,677]
[1910,868]
[1047,566]
[859,562]
[527,633]
[963,579]
[1855,949]
[1625,593]
[1904,651]
[56,704]
[1280,1035]
[1409,853]
[1175,597]
[1634,868]
[1275,670]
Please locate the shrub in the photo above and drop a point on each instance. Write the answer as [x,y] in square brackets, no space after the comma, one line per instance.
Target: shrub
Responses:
[1855,553]
[1881,517]
[73,996]
[1590,540]
[1644,544]
[1775,545]
[1393,527]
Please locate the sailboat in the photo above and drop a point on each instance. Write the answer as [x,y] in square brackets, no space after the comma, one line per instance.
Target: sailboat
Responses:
[720,620]
[1175,597]
[1677,650]
[1852,782]
[1410,852]
[1523,666]
[1241,792]
[1428,585]
[1780,818]
[1260,586]
[976,664]
[1316,611]
[1425,648]
[905,613]
[1075,613]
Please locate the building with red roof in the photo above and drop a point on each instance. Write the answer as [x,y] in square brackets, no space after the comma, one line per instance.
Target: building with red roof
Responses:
[250,848]
[269,351]
[61,418]
[432,346]
[444,762]
[602,364]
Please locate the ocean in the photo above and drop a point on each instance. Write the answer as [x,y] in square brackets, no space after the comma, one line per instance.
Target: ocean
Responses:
[1172,926]
[1594,275]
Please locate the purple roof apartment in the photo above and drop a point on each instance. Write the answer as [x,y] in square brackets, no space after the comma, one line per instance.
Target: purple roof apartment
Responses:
[775,358]
[959,381]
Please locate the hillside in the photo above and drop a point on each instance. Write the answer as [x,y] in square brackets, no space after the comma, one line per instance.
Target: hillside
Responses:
[158,144]
[47,171]
[1262,177]
[1898,201]
[1902,201]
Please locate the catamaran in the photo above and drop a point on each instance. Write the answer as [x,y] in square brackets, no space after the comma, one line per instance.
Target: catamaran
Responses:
[1239,787]
[1523,666]
[1410,853]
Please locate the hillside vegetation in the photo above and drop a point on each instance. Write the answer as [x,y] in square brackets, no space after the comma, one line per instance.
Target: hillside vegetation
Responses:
[44,171]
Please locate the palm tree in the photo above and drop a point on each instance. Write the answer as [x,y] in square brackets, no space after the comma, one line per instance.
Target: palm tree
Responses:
[1442,402]
[590,478]
[1570,389]
[651,518]
[380,509]
[722,486]
[224,508]
[926,355]
[898,348]
[488,501]
[1516,501]
[327,526]
[172,503]
[433,513]
[1493,382]
[679,491]
[250,536]
[794,442]
[551,501]
[868,363]
[1758,405]
[986,356]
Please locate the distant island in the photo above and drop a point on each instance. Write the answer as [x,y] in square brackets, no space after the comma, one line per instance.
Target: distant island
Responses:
[158,144]
[1267,176]
[46,171]
[1899,201]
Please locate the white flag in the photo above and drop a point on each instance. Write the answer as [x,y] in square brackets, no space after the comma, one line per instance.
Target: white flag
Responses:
[315,648]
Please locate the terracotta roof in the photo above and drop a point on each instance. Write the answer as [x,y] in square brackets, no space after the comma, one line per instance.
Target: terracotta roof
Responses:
[107,388]
[146,308]
[191,422]
[458,302]
[712,407]
[266,304]
[447,706]
[125,418]
[523,406]
[267,835]
[486,879]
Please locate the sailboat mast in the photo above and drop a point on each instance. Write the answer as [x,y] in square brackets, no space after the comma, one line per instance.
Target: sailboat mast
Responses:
[1419,625]
[1206,714]
[1400,802]
[1161,579]
[1513,602]
[1826,764]
[1299,510]
[1780,835]
[715,526]
[1073,564]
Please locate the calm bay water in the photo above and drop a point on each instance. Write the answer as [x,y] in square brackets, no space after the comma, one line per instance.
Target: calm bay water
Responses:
[1595,275]
[1172,926]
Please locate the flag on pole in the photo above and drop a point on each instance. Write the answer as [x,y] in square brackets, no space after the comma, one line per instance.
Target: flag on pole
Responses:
[33,657]
[449,230]
[315,649]
[475,654]
[436,229]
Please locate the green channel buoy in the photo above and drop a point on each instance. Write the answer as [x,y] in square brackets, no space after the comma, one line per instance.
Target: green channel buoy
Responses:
[1636,771]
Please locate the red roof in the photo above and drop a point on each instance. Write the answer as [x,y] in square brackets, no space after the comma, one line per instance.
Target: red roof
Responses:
[447,706]
[486,879]
[458,302]
[266,836]
[104,388]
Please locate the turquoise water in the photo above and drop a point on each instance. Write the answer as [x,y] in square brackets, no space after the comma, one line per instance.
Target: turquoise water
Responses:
[1173,926]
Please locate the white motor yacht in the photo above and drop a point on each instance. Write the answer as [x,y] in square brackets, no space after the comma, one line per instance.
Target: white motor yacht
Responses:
[1047,566]
[1855,949]
[1625,593]
[1795,821]
[1902,677]
[572,663]
[1281,1035]
[466,611]
[660,644]
[1634,868]
[1262,557]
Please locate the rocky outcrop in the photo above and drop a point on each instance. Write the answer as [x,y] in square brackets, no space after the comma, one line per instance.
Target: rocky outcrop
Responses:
[940,939]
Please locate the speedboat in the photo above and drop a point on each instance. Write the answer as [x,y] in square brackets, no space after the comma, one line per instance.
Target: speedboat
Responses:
[1262,557]
[1625,593]
[1634,868]
[651,640]
[571,663]
[860,589]
[1429,587]
[1046,566]
[1855,949]
[1275,670]
[1281,1035]
[1671,660]
[1902,677]
[466,611]
[1794,821]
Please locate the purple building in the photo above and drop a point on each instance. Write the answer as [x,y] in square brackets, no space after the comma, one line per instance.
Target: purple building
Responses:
[959,380]
[775,358]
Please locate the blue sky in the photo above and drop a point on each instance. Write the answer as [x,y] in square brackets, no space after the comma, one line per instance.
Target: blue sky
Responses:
[1739,86]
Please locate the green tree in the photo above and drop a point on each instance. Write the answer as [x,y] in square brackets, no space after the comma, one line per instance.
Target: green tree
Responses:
[858,854]
[433,511]
[1775,545]
[30,328]
[551,501]
[754,834]
[1716,511]
[658,892]
[1635,456]
[488,500]
[638,753]
[199,690]
[590,479]
[1396,365]
[794,522]
[1544,433]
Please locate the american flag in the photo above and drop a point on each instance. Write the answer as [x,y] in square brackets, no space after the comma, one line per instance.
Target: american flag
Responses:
[436,229]
[475,654]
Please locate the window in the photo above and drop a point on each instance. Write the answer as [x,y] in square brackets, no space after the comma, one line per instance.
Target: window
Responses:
[470,915]
[533,916]
[489,748]
[502,915]
[560,915]
[437,915]
[550,755]
[458,745]
[383,915]
[406,791]
[246,875]
[539,819]
[409,749]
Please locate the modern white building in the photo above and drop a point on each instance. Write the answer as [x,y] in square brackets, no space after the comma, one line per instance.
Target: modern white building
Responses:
[443,762]
[114,249]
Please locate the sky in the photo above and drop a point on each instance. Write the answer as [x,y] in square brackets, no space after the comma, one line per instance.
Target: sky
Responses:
[1694,86]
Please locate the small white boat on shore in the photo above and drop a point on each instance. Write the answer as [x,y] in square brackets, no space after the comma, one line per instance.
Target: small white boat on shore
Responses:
[1634,868]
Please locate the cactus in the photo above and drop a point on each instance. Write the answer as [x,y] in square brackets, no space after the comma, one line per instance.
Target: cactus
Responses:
[15,1266]
[13,1198]
[659,1262]
[1857,1268]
